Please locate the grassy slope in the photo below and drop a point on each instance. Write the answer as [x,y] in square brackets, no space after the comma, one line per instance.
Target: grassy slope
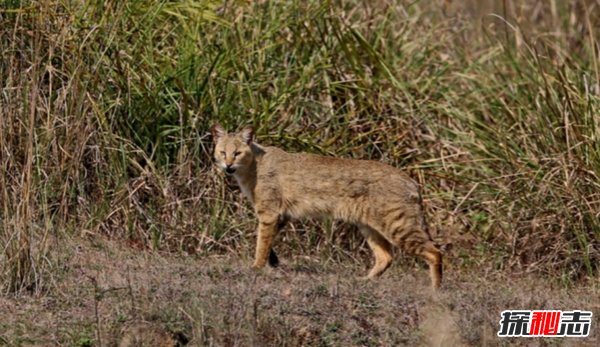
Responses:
[103,293]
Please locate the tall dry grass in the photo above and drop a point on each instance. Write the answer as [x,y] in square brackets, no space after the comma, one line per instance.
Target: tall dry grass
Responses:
[493,106]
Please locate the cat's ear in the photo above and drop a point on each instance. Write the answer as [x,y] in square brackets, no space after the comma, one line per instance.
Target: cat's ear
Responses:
[247,134]
[217,132]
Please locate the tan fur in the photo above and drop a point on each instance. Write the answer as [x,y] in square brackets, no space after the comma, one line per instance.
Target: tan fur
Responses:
[381,200]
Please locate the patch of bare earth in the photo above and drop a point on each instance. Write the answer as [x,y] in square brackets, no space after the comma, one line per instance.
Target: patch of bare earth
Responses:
[105,294]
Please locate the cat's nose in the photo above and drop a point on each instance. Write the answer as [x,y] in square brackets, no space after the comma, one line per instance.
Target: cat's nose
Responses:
[230,170]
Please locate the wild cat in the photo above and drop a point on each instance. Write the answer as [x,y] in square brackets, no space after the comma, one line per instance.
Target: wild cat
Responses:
[381,200]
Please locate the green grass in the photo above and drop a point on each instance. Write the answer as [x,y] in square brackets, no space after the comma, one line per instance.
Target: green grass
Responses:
[106,108]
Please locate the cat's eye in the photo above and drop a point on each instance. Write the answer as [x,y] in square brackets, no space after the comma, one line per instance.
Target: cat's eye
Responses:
[236,153]
[223,153]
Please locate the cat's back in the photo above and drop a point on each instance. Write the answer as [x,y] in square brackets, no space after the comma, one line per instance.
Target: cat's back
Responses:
[327,174]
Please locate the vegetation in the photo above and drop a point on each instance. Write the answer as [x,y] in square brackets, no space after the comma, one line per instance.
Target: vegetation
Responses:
[105,106]
[494,106]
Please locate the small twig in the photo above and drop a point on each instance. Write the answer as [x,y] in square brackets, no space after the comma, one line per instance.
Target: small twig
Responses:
[97,296]
[465,198]
[131,297]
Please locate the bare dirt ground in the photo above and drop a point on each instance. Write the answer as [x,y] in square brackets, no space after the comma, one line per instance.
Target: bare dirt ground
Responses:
[102,293]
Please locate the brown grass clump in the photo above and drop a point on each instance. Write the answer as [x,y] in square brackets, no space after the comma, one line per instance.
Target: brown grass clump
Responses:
[146,334]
